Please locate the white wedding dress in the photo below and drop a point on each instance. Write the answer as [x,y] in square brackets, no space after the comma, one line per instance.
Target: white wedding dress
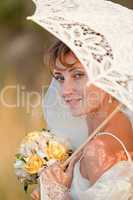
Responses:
[114,184]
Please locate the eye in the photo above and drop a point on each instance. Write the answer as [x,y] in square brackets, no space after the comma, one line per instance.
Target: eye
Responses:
[78,75]
[59,78]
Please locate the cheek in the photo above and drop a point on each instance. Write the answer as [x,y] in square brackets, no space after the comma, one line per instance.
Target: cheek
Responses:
[93,96]
[81,87]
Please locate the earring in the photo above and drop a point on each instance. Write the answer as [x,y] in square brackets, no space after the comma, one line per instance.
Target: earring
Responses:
[110,99]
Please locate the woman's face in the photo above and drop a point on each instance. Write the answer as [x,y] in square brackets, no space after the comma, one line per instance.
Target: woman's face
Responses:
[77,94]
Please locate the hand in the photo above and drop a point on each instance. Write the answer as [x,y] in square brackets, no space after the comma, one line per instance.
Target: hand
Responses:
[52,174]
[56,174]
[35,195]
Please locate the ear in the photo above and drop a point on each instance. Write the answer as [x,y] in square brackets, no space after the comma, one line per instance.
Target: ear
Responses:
[95,95]
[103,96]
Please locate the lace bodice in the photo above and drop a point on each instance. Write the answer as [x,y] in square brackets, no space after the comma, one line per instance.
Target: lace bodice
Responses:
[114,184]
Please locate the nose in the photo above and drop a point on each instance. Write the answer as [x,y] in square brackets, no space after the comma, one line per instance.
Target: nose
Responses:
[68,88]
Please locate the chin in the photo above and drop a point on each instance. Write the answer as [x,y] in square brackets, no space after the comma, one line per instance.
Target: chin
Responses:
[78,112]
[82,111]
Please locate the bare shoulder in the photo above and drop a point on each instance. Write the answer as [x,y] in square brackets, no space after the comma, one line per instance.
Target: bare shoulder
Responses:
[103,151]
[99,156]
[100,143]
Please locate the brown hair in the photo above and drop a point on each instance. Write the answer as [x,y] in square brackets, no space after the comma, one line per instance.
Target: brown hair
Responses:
[58,50]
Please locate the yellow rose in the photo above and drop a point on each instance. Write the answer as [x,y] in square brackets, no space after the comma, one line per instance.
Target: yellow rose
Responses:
[34,163]
[56,151]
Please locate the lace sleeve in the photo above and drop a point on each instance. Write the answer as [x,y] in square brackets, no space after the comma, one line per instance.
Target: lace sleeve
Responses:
[52,190]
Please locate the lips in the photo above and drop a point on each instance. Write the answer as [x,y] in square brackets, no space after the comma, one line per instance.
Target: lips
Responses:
[72,102]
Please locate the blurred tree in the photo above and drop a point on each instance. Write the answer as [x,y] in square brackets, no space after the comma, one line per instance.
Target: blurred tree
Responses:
[13,12]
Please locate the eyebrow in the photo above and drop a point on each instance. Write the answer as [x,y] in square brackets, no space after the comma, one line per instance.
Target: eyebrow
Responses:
[59,68]
[56,73]
[71,69]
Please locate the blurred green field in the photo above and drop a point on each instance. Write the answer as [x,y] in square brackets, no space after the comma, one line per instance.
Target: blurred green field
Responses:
[22,47]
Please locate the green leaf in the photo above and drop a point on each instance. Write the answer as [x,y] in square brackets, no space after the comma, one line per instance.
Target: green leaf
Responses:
[44,129]
[25,187]
[23,160]
[47,143]
[20,157]
[45,158]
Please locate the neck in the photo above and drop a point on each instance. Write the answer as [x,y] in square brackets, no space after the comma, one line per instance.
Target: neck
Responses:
[94,119]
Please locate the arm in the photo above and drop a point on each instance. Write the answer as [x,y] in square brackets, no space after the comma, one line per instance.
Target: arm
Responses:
[97,159]
[56,174]
[99,155]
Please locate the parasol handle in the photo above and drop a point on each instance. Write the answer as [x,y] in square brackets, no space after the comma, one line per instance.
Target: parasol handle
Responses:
[93,134]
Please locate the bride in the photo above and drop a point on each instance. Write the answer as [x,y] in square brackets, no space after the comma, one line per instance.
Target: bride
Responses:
[103,170]
[104,151]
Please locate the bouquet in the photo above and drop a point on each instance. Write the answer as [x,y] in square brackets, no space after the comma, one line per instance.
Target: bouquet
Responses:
[37,150]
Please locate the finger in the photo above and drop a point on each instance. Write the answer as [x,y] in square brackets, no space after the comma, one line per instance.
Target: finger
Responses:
[41,171]
[70,169]
[71,165]
[58,173]
[48,174]
[60,176]
[35,195]
[74,158]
